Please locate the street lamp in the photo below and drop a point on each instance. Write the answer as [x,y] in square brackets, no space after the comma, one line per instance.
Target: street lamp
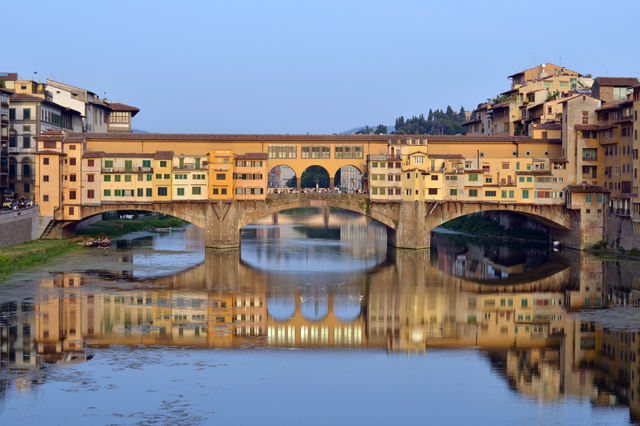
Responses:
[317,184]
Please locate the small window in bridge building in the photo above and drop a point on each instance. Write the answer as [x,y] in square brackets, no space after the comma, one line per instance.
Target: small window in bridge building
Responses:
[72,178]
[180,191]
[72,211]
[45,198]
[162,191]
[473,193]
[163,164]
[72,161]
[220,176]
[90,163]
[45,178]
[91,178]
[223,191]
[107,193]
[434,177]
[140,192]
[215,191]
[195,190]
[90,193]
[45,161]
[149,192]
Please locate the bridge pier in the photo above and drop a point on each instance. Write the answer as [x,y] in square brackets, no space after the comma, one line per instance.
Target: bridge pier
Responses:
[412,231]
[221,229]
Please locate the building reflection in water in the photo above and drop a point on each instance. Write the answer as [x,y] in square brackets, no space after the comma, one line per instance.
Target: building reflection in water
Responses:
[412,302]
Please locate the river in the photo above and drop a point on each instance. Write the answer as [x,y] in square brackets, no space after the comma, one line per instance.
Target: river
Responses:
[316,321]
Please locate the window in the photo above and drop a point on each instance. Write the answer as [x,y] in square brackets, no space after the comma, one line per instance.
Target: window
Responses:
[45,161]
[45,178]
[587,198]
[418,160]
[117,178]
[127,178]
[146,163]
[26,141]
[473,177]
[149,178]
[26,114]
[12,113]
[434,177]
[453,191]
[149,192]
[72,210]
[473,193]
[489,193]
[158,175]
[512,194]
[72,178]
[525,193]
[524,303]
[108,164]
[529,179]
[195,190]
[163,164]
[117,192]
[107,193]
[167,176]
[90,193]
[180,191]
[107,178]
[223,191]
[433,191]
[118,117]
[162,191]
[220,176]
[45,198]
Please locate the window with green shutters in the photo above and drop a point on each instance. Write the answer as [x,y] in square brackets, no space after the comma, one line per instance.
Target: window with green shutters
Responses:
[128,165]
[158,175]
[26,114]
[510,302]
[453,191]
[149,192]
[473,177]
[127,178]
[529,179]
[517,166]
[525,193]
[524,303]
[146,163]
[107,192]
[12,113]
[149,178]
[180,191]
[473,193]
[163,164]
[167,176]
[599,198]
[197,163]
[108,164]
[107,178]
[489,193]
[117,193]
[587,198]
[140,192]
[196,190]
[117,178]
[504,194]
[512,194]
[140,178]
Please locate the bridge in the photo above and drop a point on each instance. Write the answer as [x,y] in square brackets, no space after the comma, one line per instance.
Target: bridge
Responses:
[412,183]
[408,224]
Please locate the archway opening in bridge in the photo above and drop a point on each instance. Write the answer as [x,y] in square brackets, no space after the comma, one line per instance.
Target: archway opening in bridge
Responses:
[346,306]
[504,223]
[315,176]
[282,176]
[314,303]
[348,177]
[281,306]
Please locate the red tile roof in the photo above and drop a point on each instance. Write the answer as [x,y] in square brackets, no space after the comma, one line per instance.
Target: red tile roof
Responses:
[586,127]
[129,155]
[446,156]
[47,152]
[116,106]
[163,155]
[253,156]
[534,172]
[617,81]
[25,97]
[559,160]
[93,154]
[587,188]
[9,76]
[549,126]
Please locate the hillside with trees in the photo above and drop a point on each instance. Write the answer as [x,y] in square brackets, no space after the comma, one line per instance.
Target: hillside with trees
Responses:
[436,123]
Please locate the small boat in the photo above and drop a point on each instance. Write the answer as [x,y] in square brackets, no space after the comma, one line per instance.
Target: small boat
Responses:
[557,246]
[161,229]
[101,243]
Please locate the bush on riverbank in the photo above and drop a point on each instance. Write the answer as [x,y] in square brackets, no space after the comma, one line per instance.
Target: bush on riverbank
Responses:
[25,255]
[476,224]
[118,227]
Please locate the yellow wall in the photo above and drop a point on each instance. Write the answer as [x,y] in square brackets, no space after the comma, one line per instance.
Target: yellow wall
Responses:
[221,169]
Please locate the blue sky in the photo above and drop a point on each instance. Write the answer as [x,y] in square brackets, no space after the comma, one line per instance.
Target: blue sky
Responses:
[318,67]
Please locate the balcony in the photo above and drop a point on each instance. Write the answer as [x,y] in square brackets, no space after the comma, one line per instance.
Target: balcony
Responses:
[187,167]
[622,212]
[127,170]
[589,158]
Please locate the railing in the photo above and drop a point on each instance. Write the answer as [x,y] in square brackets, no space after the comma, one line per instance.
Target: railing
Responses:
[187,167]
[622,212]
[589,159]
[127,170]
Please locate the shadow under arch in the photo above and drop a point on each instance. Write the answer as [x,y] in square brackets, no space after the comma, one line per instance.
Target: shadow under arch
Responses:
[349,177]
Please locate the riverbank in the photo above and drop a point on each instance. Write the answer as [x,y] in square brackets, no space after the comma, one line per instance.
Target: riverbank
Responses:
[118,227]
[32,253]
[477,225]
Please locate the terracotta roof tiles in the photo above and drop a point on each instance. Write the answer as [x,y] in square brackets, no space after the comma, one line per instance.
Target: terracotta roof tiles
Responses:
[93,154]
[116,106]
[48,152]
[446,156]
[253,156]
[163,155]
[617,81]
[587,188]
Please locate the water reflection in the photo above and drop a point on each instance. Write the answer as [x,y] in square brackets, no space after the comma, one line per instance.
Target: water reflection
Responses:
[528,324]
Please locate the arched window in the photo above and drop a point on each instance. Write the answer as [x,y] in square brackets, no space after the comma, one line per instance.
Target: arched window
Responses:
[12,167]
[26,168]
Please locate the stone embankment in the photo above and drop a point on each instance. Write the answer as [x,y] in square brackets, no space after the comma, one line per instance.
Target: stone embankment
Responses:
[18,226]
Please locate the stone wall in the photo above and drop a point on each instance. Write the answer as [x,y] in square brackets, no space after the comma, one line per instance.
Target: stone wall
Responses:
[18,226]
[619,232]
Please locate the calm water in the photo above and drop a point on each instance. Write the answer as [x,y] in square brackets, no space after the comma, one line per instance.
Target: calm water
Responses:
[316,321]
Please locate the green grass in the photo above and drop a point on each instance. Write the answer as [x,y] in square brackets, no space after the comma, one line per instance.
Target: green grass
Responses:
[118,227]
[32,253]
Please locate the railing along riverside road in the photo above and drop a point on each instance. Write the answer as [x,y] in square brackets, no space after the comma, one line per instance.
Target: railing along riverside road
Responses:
[317,196]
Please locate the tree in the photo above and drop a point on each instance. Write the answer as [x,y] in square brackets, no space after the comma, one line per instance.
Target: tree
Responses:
[430,116]
[365,131]
[312,173]
[381,130]
[449,111]
[499,100]
[462,112]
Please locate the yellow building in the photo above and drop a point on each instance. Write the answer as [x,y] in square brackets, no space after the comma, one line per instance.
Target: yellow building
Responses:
[190,177]
[221,170]
[162,171]
[126,177]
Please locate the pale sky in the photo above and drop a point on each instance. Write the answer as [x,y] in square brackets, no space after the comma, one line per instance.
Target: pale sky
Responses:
[319,67]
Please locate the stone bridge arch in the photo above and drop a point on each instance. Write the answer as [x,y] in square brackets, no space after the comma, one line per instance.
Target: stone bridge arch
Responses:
[192,212]
[249,211]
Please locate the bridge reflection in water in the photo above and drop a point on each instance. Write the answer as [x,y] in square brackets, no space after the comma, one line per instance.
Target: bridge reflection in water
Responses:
[412,302]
